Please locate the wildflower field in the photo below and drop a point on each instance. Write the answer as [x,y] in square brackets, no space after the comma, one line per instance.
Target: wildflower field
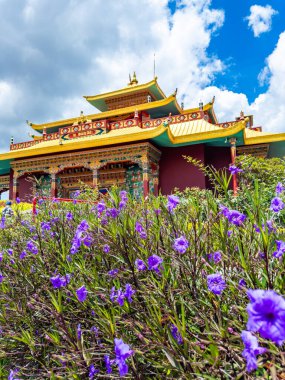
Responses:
[188,286]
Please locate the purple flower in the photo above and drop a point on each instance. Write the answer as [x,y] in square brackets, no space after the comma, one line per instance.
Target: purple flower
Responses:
[215,257]
[129,292]
[112,212]
[45,226]
[1,256]
[172,202]
[154,263]
[140,264]
[139,228]
[56,281]
[216,283]
[181,244]
[251,350]
[1,277]
[123,352]
[76,194]
[276,204]
[18,200]
[234,169]
[113,272]
[83,226]
[122,204]
[279,188]
[78,331]
[2,225]
[229,233]
[60,281]
[106,248]
[32,247]
[81,293]
[10,251]
[257,229]
[124,195]
[234,217]
[120,297]
[266,314]
[23,254]
[117,295]
[157,211]
[87,241]
[95,330]
[241,283]
[12,375]
[69,216]
[92,372]
[108,364]
[269,224]
[101,207]
[280,249]
[176,334]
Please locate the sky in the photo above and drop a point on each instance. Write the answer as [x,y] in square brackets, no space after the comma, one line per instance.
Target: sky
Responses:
[54,52]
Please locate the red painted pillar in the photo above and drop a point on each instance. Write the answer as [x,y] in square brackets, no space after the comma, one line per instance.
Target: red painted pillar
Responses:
[95,178]
[155,185]
[233,159]
[145,167]
[53,185]
[15,186]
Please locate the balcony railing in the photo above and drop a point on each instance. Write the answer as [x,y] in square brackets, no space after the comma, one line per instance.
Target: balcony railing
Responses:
[103,126]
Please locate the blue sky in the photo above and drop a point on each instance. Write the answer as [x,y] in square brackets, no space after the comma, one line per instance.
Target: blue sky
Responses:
[54,52]
[236,44]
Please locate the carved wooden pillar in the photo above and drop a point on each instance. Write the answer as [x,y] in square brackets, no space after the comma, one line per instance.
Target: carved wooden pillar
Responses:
[94,167]
[15,185]
[156,181]
[145,167]
[53,185]
[233,159]
[95,174]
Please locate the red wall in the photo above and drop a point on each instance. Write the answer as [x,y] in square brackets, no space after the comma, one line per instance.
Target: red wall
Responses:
[175,171]
[25,189]
[219,157]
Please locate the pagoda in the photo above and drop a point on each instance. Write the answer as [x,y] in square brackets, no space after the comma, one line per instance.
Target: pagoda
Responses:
[137,141]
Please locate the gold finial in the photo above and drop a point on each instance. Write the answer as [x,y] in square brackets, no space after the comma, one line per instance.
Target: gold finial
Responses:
[134,80]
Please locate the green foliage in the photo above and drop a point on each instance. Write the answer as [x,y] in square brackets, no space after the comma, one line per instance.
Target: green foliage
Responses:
[39,323]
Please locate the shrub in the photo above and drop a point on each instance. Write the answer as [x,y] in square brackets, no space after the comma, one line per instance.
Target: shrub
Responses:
[189,286]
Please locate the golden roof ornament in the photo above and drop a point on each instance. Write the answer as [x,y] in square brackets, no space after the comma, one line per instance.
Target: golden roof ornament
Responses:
[133,81]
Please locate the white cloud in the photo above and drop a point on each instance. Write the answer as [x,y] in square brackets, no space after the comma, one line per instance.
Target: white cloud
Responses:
[268,108]
[260,19]
[9,98]
[74,48]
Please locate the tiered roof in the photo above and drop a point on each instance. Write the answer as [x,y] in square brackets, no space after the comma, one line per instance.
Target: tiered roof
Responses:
[165,123]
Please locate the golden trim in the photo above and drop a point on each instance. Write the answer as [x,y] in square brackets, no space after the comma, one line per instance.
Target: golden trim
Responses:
[206,107]
[263,138]
[125,90]
[218,133]
[145,134]
[106,114]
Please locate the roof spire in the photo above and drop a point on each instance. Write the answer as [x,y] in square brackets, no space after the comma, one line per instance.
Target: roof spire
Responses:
[134,80]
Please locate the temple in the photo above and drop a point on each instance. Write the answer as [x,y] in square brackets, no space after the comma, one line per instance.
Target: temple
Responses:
[137,141]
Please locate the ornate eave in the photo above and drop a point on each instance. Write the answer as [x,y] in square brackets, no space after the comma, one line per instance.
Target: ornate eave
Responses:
[158,108]
[100,101]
